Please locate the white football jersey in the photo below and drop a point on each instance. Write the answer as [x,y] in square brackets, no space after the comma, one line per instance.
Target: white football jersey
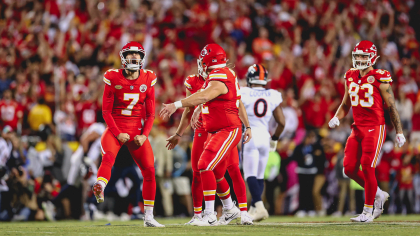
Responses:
[260,104]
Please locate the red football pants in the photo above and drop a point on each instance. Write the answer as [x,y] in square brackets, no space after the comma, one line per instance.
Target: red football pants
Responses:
[363,148]
[143,156]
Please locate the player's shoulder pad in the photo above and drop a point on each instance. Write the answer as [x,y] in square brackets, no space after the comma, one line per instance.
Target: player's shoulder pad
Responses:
[349,73]
[189,81]
[110,75]
[152,76]
[382,76]
[218,74]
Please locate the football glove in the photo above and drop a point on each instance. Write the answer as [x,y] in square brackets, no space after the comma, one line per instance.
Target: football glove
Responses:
[400,140]
[334,122]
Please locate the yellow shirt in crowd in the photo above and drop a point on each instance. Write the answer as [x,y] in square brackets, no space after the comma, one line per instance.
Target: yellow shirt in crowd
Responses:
[40,114]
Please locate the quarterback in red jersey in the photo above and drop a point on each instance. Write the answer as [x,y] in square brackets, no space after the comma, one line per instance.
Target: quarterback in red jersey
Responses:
[367,90]
[193,84]
[128,91]
[220,115]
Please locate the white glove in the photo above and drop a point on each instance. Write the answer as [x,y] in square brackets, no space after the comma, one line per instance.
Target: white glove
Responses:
[273,145]
[334,122]
[400,140]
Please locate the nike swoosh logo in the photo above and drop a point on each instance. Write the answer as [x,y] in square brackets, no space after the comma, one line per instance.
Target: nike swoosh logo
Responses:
[371,130]
[228,218]
[211,222]
[363,221]
[149,224]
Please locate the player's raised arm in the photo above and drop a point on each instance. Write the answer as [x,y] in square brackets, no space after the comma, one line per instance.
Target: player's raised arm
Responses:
[183,124]
[342,110]
[214,89]
[389,99]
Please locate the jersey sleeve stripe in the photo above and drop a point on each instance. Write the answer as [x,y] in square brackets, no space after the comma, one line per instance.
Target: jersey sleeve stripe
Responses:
[187,85]
[218,76]
[154,82]
[107,81]
[387,79]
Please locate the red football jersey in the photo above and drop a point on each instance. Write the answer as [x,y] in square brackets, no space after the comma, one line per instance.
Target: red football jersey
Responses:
[124,100]
[365,96]
[10,113]
[222,112]
[86,114]
[195,83]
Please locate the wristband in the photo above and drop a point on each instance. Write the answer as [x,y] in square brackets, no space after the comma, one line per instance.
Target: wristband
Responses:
[178,135]
[178,104]
[274,137]
[248,127]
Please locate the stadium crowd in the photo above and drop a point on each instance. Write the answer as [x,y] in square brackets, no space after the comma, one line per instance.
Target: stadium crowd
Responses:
[54,52]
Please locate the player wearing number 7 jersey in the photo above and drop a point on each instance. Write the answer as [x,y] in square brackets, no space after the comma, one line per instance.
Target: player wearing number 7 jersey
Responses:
[367,90]
[127,92]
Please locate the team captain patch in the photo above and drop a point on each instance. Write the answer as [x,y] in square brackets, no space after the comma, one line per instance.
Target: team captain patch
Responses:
[143,88]
[370,79]
[118,86]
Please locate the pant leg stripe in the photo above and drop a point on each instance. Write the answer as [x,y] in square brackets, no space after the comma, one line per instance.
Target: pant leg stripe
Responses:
[211,163]
[379,145]
[235,132]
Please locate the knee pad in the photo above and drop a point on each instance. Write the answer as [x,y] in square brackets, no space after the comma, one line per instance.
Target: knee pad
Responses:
[148,174]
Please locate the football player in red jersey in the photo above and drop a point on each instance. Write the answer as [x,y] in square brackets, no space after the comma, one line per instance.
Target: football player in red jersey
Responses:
[367,90]
[220,115]
[128,91]
[193,84]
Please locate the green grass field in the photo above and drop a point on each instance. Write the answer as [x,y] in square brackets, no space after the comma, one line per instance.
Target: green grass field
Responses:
[386,225]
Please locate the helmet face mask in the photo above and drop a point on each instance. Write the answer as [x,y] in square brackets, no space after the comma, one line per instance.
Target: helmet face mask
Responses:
[128,56]
[364,55]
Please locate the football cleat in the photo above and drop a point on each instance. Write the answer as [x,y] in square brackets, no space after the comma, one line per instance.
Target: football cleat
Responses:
[246,219]
[195,218]
[209,219]
[229,215]
[98,191]
[379,204]
[365,217]
[149,221]
[49,210]
[251,211]
[260,212]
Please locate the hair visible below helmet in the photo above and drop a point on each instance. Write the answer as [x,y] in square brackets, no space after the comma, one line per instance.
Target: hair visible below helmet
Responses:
[212,56]
[257,74]
[364,47]
[128,63]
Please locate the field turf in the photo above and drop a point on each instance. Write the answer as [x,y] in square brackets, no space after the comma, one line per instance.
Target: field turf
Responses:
[385,225]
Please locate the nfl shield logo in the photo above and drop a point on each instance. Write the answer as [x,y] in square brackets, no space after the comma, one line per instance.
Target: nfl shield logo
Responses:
[131,87]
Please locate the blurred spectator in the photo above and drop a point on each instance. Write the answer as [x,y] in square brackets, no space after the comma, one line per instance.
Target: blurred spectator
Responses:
[10,112]
[39,116]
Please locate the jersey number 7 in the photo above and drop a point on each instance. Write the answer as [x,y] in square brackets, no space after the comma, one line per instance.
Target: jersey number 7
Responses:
[130,96]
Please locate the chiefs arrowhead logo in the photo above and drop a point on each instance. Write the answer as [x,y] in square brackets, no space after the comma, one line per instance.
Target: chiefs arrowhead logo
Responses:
[370,79]
[204,52]
[143,88]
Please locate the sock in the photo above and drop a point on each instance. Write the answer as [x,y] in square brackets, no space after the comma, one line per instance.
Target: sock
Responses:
[238,186]
[197,193]
[368,208]
[371,185]
[104,171]
[149,189]
[254,188]
[209,189]
[261,185]
[223,191]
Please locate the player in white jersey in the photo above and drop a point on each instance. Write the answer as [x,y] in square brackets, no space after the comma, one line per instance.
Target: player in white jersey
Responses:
[82,164]
[261,105]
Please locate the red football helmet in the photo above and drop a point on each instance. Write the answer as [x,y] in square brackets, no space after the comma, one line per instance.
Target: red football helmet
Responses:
[132,64]
[212,56]
[367,48]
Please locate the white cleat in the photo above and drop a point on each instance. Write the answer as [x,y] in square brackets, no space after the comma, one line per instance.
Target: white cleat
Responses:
[149,221]
[251,211]
[194,219]
[49,210]
[365,217]
[260,213]
[229,215]
[379,204]
[209,219]
[246,219]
